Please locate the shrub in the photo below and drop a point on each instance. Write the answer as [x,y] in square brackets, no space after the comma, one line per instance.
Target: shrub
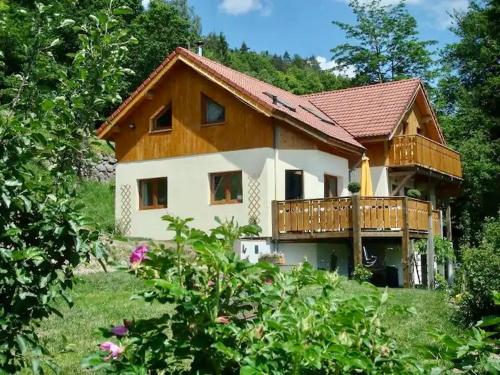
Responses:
[354,187]
[475,352]
[477,280]
[362,274]
[475,283]
[233,317]
[414,193]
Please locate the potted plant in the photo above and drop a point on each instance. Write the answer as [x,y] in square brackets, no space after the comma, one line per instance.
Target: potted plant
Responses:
[354,187]
[275,258]
[414,193]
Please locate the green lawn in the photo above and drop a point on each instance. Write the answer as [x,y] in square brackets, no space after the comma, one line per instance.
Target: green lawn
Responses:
[103,299]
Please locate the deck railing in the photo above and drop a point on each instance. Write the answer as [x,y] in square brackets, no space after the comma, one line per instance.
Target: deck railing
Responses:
[336,215]
[408,150]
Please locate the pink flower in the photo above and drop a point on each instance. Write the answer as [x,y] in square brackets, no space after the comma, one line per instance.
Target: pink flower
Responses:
[138,255]
[119,330]
[268,281]
[222,319]
[210,283]
[113,350]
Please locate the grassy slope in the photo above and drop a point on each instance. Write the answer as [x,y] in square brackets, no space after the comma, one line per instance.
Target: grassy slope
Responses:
[99,203]
[102,300]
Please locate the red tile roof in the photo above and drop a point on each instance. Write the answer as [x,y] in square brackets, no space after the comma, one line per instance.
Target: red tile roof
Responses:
[302,110]
[368,111]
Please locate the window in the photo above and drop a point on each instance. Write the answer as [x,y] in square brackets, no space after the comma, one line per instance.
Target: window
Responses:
[226,187]
[331,186]
[153,193]
[162,119]
[294,184]
[212,112]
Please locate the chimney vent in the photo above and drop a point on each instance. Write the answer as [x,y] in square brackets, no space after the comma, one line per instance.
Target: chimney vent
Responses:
[200,44]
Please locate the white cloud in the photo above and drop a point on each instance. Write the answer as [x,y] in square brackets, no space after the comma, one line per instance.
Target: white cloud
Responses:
[325,64]
[237,7]
[438,10]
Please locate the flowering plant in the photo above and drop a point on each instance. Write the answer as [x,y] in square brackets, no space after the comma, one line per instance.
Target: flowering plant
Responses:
[224,315]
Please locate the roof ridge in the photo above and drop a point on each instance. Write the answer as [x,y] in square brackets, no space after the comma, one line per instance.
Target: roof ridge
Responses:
[195,55]
[367,86]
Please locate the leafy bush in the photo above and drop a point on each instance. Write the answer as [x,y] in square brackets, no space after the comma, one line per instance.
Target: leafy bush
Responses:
[233,317]
[43,235]
[362,274]
[477,280]
[414,193]
[354,187]
[477,352]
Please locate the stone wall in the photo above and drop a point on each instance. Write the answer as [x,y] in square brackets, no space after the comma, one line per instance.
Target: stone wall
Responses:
[102,170]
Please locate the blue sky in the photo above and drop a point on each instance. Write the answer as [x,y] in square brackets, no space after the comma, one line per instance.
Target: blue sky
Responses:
[304,26]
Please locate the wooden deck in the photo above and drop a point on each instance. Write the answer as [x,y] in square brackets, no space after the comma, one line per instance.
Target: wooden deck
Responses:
[417,150]
[334,217]
[355,218]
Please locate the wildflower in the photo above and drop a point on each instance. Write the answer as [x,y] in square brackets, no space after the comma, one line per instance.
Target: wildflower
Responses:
[222,319]
[210,283]
[268,281]
[138,255]
[120,330]
[113,350]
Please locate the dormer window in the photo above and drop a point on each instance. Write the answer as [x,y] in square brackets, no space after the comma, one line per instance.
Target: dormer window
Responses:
[162,119]
[211,111]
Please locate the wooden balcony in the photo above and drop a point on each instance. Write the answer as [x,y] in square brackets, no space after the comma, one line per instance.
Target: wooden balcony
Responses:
[417,150]
[341,217]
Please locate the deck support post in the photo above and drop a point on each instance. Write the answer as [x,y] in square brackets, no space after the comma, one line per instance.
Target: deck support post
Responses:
[405,245]
[274,220]
[356,230]
[430,251]
[449,235]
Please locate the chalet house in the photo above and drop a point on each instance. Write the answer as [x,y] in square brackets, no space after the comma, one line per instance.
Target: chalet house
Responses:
[198,139]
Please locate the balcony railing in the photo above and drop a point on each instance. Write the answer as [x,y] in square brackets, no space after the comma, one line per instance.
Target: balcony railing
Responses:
[416,150]
[336,215]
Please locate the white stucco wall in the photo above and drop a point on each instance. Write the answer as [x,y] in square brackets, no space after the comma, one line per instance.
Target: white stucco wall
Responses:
[189,187]
[380,182]
[314,164]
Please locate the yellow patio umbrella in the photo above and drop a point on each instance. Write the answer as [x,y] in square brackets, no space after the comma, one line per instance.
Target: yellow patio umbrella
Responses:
[366,177]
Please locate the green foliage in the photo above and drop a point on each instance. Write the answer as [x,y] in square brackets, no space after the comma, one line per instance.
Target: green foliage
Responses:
[229,316]
[43,235]
[477,352]
[477,278]
[354,187]
[362,274]
[468,104]
[385,45]
[414,193]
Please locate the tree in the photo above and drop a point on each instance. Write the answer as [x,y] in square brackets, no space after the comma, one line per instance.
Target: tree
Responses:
[216,47]
[159,30]
[43,236]
[468,104]
[384,44]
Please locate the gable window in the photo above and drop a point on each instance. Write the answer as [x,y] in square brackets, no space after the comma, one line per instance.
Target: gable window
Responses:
[331,183]
[211,111]
[162,119]
[226,187]
[153,193]
[294,184]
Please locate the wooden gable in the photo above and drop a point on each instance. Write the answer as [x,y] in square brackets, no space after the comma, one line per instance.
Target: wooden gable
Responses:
[182,88]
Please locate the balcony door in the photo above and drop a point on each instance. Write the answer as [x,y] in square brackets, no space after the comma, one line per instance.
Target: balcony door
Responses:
[294,184]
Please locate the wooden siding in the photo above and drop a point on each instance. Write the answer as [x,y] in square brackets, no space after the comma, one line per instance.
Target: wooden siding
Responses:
[244,127]
[416,150]
[335,215]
